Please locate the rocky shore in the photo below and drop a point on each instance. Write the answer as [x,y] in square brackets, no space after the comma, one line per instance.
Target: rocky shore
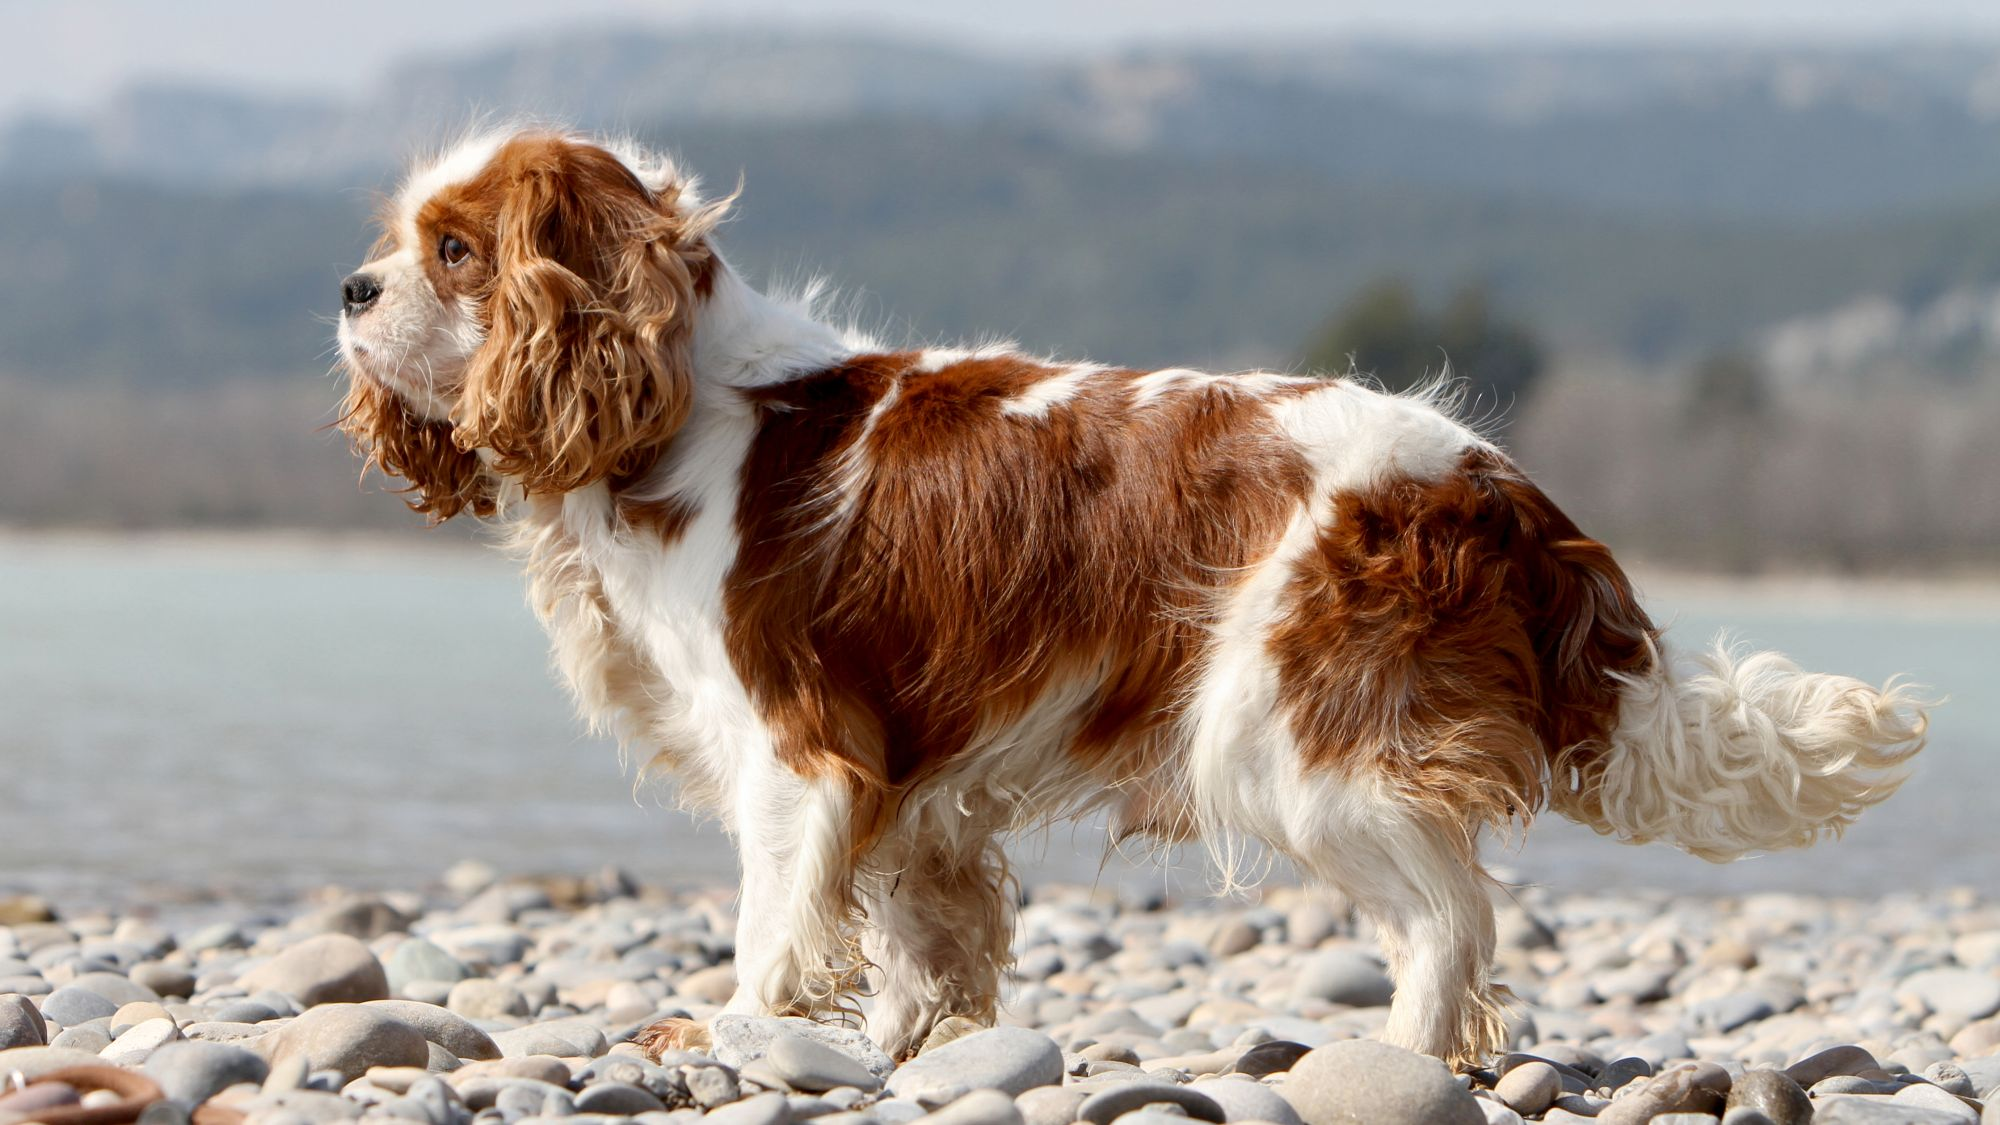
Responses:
[507,1001]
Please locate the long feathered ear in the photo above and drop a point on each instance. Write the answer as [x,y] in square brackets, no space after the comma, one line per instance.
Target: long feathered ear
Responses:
[584,373]
[447,480]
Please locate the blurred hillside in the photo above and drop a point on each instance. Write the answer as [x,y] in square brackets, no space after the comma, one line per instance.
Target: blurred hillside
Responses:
[1831,213]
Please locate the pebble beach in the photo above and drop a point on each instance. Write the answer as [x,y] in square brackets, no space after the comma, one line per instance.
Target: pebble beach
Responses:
[482,999]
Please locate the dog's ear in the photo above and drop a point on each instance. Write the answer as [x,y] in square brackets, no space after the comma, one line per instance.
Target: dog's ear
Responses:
[584,372]
[446,479]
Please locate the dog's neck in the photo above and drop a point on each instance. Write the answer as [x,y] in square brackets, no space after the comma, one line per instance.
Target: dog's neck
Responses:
[745,338]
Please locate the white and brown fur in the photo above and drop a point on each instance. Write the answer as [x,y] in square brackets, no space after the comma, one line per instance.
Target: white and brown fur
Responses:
[877,609]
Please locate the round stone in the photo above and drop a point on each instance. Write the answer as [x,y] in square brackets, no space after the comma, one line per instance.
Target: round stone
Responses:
[1529,1089]
[164,978]
[563,1038]
[115,987]
[1014,1059]
[445,1028]
[1772,1094]
[1050,1105]
[1961,994]
[814,1067]
[480,999]
[617,1099]
[764,1109]
[1273,1057]
[142,1037]
[417,959]
[1363,1082]
[329,969]
[70,1005]
[1243,1099]
[194,1072]
[1343,976]
[738,1040]
[980,1107]
[348,1038]
[1108,1105]
[21,1023]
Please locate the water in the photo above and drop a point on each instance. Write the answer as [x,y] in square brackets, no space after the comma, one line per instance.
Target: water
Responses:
[269,714]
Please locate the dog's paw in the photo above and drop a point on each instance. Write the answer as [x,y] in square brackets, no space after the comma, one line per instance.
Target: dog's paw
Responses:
[673,1034]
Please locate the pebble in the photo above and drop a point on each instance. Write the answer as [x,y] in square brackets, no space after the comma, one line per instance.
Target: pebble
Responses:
[1108,1105]
[1050,1105]
[1273,1057]
[812,1066]
[1364,1082]
[480,999]
[556,1037]
[1530,1089]
[416,959]
[1242,1099]
[738,1040]
[1013,1059]
[330,968]
[21,1023]
[763,1109]
[1773,1094]
[445,1028]
[71,1005]
[194,1072]
[1343,976]
[980,1107]
[142,1038]
[617,1099]
[348,1038]
[1962,994]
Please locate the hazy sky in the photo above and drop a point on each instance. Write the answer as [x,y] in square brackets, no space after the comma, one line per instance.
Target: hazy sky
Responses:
[65,53]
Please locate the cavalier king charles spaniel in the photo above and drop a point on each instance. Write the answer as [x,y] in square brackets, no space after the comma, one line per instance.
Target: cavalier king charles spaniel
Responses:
[879,609]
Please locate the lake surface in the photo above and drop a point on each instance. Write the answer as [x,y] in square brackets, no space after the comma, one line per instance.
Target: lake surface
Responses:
[265,714]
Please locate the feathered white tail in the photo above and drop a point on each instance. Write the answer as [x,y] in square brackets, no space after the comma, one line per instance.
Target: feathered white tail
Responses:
[1724,752]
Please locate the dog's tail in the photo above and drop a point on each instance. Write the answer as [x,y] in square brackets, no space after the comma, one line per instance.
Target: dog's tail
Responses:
[1719,752]
[1725,751]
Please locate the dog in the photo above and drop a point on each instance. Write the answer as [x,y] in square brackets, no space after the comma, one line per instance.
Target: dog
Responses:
[877,609]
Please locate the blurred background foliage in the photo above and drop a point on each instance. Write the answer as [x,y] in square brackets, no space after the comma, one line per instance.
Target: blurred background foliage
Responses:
[1735,305]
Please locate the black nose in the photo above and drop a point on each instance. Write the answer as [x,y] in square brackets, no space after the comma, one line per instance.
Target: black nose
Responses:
[359,291]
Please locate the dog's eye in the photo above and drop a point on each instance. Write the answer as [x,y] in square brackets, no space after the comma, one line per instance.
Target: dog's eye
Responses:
[452,250]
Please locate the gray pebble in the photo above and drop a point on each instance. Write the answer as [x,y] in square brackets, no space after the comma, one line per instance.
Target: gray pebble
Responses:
[21,1023]
[812,1066]
[447,1029]
[1050,1105]
[737,1040]
[1343,976]
[1772,1094]
[347,1038]
[1361,1080]
[1106,1106]
[980,1107]
[331,968]
[711,1086]
[71,1005]
[764,1109]
[193,1072]
[1530,1088]
[1273,1056]
[418,959]
[1243,1099]
[618,1099]
[1014,1059]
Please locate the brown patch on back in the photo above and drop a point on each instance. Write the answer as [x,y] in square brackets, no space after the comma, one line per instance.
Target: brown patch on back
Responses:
[1459,637]
[986,558]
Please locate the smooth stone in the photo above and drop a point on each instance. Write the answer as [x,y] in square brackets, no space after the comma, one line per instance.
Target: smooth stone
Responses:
[1844,1059]
[1343,976]
[144,1036]
[617,1099]
[33,1062]
[395,1079]
[1245,1099]
[71,1005]
[328,969]
[736,1040]
[1013,1059]
[418,959]
[1875,1109]
[479,999]
[1962,994]
[1529,1089]
[980,1107]
[1772,1094]
[1683,1089]
[814,1067]
[1363,1082]
[90,1037]
[292,1107]
[21,1023]
[1744,1115]
[712,1086]
[1050,1105]
[1152,1115]
[1108,1105]
[348,1038]
[1271,1057]
[1498,1114]
[1850,1084]
[1951,1078]
[1725,1014]
[1930,1097]
[194,1072]
[115,987]
[164,978]
[445,1028]
[1622,1072]
[242,1011]
[563,1038]
[539,1068]
[762,1109]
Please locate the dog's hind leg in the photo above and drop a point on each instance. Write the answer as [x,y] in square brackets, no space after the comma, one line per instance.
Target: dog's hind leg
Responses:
[939,930]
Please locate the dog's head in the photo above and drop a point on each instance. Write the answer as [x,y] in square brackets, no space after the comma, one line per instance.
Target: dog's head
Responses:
[526,314]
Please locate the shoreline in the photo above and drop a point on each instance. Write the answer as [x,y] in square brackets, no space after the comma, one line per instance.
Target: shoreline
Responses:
[1953,589]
